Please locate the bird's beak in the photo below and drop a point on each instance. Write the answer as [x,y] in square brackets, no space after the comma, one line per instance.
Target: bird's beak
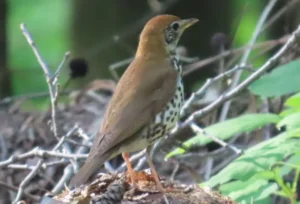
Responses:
[185,23]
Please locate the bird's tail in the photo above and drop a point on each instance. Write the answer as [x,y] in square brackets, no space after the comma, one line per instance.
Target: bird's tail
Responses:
[87,170]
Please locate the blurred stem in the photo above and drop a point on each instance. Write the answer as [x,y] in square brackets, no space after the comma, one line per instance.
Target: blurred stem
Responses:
[246,54]
[4,78]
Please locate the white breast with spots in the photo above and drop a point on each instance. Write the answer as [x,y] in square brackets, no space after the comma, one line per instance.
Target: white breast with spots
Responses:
[166,120]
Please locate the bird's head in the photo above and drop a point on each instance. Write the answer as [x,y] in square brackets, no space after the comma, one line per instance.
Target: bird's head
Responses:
[161,35]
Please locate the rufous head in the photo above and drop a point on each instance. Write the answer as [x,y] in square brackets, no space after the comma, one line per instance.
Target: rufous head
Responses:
[162,33]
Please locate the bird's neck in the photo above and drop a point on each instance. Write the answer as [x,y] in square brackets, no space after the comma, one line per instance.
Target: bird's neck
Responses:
[176,64]
[151,46]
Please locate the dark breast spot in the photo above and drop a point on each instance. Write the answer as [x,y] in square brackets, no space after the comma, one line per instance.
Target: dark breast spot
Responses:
[168,118]
[173,102]
[158,131]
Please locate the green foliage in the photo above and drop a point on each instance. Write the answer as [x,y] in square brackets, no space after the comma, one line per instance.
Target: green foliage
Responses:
[294,101]
[290,121]
[259,172]
[253,170]
[252,189]
[283,80]
[229,128]
[292,104]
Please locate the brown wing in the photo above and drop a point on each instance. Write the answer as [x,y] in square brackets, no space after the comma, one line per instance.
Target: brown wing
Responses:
[142,92]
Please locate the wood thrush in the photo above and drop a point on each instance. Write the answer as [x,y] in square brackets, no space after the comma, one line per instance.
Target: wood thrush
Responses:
[146,102]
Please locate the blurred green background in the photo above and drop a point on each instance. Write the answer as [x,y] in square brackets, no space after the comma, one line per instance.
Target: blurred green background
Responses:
[105,32]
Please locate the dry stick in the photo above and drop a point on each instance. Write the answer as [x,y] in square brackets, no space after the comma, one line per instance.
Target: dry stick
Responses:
[44,154]
[26,180]
[53,88]
[279,13]
[246,55]
[230,94]
[14,188]
[197,129]
[203,155]
[209,82]
[69,170]
[197,65]
[3,147]
[30,167]
[51,80]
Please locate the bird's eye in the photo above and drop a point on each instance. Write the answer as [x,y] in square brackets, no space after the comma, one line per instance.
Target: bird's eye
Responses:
[175,26]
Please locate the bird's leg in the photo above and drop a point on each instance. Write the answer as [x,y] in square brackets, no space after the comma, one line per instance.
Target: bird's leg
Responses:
[153,171]
[130,170]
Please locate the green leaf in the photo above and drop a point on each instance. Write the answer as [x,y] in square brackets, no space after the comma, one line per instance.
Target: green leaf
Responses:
[293,101]
[267,175]
[294,160]
[229,128]
[290,121]
[283,80]
[259,158]
[289,111]
[253,189]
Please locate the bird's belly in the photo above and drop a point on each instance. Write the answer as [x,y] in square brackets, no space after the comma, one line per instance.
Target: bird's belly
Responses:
[136,144]
[160,126]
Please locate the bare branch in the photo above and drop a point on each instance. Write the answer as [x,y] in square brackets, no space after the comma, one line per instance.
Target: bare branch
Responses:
[197,129]
[27,180]
[14,188]
[208,83]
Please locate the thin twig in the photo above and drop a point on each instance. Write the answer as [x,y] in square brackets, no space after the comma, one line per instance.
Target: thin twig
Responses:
[14,188]
[246,55]
[27,180]
[65,58]
[188,69]
[35,51]
[44,165]
[197,129]
[53,86]
[195,95]
[279,13]
[36,152]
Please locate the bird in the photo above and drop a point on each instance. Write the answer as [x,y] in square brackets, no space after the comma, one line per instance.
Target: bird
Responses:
[146,102]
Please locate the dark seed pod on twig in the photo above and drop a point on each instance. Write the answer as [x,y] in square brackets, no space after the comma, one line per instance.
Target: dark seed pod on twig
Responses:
[219,42]
[78,68]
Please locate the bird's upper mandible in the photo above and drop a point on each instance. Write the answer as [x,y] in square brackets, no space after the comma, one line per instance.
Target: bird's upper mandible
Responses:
[161,35]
